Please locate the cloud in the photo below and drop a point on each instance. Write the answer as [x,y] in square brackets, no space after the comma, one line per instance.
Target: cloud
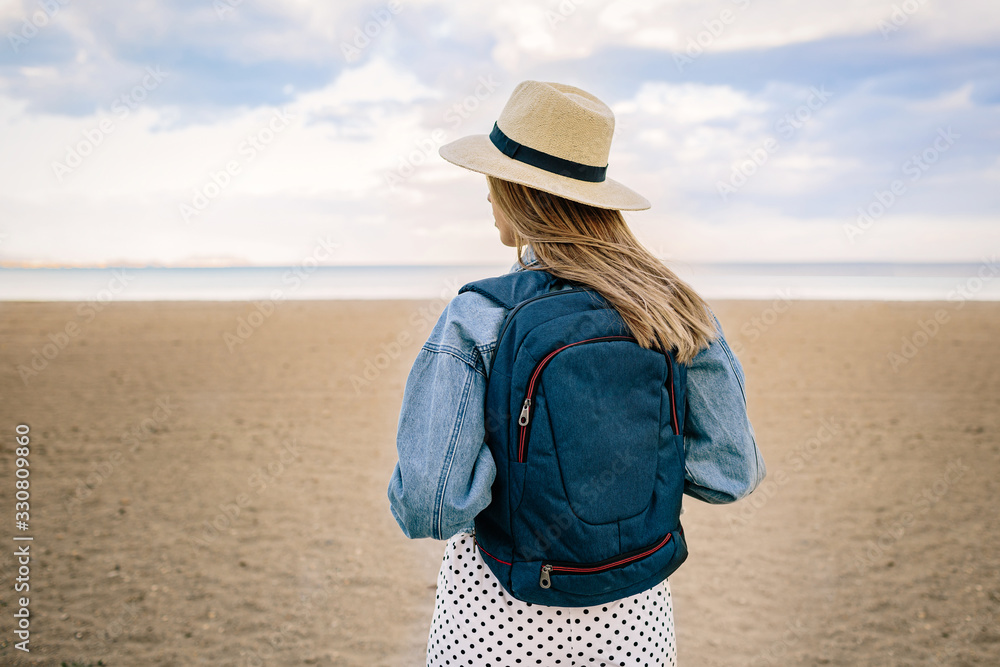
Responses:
[574,29]
[689,103]
[359,156]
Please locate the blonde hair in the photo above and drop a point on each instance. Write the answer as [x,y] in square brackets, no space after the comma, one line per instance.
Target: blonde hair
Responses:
[595,247]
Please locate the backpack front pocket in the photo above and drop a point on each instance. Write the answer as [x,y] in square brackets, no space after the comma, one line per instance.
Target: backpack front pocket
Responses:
[555,582]
[557,569]
[589,409]
[524,418]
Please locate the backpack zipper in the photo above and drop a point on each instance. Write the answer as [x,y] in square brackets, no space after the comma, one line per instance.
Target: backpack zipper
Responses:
[525,417]
[510,316]
[545,580]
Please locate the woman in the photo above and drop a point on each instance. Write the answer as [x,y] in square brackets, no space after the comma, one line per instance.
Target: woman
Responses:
[545,163]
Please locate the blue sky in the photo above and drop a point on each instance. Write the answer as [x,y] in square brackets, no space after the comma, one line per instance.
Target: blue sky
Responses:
[242,132]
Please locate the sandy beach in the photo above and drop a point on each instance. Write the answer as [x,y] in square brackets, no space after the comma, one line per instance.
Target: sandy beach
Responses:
[208,487]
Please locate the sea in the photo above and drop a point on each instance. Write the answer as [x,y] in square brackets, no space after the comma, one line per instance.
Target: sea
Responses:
[789,281]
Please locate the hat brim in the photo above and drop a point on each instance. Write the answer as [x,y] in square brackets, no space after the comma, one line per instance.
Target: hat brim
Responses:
[477,153]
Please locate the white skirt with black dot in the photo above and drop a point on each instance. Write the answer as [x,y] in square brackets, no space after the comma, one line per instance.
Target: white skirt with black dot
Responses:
[476,622]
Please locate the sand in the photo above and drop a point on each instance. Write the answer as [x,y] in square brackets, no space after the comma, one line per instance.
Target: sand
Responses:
[206,493]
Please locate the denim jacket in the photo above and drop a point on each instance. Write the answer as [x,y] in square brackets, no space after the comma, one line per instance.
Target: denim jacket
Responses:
[445,469]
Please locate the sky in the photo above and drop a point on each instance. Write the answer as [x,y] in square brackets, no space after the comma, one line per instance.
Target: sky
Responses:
[254,132]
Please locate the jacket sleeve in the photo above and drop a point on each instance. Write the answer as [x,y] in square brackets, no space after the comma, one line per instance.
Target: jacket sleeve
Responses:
[722,461]
[445,470]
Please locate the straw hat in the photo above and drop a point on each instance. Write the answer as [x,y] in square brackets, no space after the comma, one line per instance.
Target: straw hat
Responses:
[554,138]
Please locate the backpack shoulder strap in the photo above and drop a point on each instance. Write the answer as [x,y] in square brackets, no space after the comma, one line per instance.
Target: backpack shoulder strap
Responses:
[512,288]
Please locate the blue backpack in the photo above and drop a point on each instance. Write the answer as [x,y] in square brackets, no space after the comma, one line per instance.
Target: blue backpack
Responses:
[585,428]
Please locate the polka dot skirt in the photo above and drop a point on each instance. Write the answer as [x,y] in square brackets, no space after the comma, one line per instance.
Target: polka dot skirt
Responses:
[476,622]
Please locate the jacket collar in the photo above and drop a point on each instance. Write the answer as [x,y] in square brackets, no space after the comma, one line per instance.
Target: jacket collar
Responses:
[529,259]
